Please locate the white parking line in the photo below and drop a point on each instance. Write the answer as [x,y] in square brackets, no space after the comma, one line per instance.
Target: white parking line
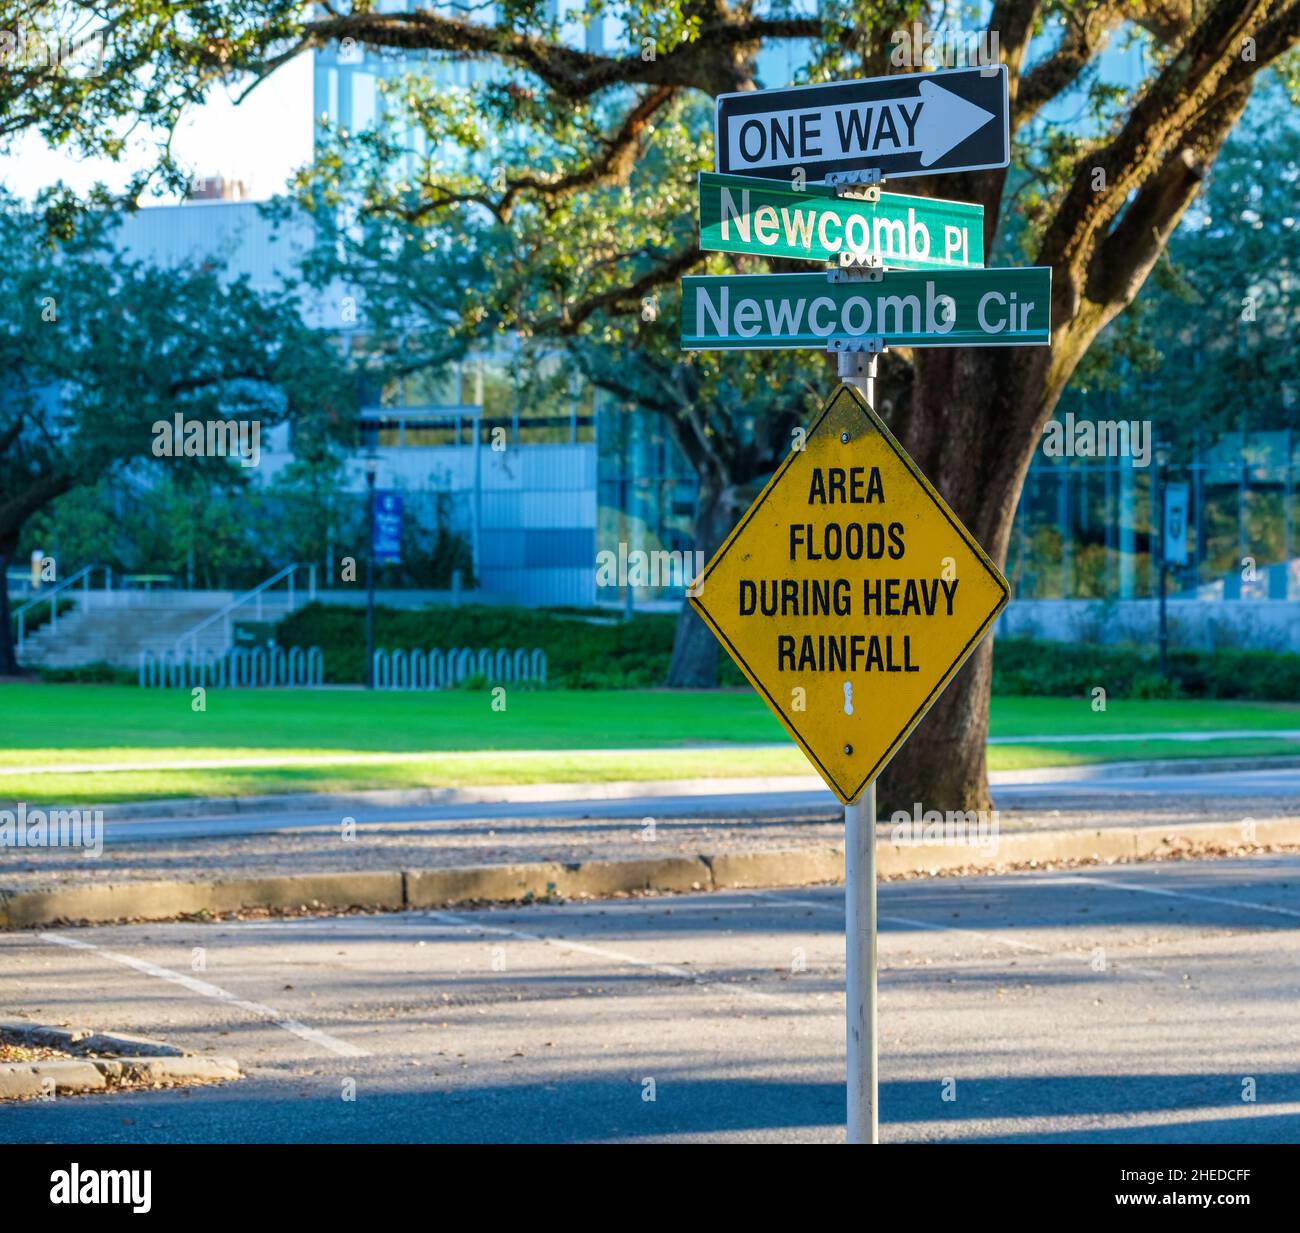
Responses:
[604,952]
[1014,943]
[1218,900]
[332,1043]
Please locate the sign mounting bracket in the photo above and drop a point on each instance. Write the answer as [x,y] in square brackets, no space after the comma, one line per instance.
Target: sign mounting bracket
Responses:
[857,267]
[857,361]
[866,344]
[863,185]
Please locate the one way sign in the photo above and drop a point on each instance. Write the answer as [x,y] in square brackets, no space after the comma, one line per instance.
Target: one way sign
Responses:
[910,124]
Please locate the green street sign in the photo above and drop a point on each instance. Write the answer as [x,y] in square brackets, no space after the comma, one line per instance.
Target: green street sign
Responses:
[769,218]
[955,308]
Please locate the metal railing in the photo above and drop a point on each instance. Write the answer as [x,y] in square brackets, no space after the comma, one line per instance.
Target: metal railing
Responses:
[51,595]
[439,669]
[188,641]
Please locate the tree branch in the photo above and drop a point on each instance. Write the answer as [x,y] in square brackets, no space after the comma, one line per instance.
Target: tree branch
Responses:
[1123,260]
[1086,34]
[614,166]
[570,320]
[1163,113]
[570,73]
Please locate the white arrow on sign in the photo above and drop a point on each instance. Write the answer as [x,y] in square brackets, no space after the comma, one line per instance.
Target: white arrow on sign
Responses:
[946,120]
[930,123]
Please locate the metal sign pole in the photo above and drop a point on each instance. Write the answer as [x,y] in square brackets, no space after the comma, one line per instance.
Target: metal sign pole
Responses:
[848,455]
[858,369]
[860,967]
[1163,480]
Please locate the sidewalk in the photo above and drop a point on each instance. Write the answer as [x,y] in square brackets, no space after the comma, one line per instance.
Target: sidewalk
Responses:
[378,854]
[419,842]
[617,790]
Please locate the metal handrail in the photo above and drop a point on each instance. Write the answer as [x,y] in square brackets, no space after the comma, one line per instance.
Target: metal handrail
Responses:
[51,596]
[188,640]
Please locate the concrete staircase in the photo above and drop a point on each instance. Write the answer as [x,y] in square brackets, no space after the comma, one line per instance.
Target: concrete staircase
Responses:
[116,631]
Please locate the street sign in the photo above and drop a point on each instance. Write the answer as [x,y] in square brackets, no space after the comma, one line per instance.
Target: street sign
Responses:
[953,308]
[910,124]
[1175,547]
[387,545]
[769,218]
[849,594]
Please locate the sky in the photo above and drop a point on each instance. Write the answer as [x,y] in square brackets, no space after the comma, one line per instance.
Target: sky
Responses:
[261,142]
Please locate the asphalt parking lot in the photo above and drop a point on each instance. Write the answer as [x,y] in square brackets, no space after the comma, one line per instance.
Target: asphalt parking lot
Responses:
[1124,1003]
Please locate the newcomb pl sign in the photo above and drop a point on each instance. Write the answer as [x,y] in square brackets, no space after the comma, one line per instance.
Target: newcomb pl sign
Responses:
[910,124]
[952,308]
[769,218]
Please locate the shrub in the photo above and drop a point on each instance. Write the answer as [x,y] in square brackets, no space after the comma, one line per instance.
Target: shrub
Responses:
[89,674]
[1024,666]
[590,650]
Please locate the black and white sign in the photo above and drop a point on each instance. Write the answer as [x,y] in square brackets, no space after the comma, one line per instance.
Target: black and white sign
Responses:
[911,124]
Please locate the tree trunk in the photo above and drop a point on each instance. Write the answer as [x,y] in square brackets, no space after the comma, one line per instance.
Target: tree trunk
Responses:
[974,422]
[8,660]
[943,764]
[695,650]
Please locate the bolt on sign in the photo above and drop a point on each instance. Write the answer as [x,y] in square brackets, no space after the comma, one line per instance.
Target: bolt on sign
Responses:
[850,594]
[771,218]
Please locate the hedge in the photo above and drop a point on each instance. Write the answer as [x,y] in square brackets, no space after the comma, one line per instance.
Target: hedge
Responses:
[596,651]
[591,651]
[1066,669]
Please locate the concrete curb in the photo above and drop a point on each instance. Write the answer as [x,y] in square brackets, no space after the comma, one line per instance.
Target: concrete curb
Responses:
[64,1077]
[533,794]
[138,1059]
[165,899]
[1121,843]
[24,1079]
[523,883]
[83,1038]
[532,881]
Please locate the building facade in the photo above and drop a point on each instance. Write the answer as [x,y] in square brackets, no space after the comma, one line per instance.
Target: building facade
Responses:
[572,473]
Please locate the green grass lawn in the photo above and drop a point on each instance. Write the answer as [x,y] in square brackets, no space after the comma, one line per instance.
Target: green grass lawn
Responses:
[456,739]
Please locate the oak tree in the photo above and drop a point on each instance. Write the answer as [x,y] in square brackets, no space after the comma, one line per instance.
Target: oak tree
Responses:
[580,188]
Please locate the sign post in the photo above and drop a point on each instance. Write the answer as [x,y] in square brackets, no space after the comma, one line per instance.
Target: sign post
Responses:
[861,1042]
[849,594]
[861,1034]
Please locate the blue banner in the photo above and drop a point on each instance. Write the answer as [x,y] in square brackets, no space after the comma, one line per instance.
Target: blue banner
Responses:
[1176,501]
[387,545]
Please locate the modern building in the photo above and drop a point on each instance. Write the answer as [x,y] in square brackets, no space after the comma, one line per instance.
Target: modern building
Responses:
[575,473]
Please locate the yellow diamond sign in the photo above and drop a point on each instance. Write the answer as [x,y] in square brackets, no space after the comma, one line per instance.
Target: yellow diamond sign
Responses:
[849,594]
